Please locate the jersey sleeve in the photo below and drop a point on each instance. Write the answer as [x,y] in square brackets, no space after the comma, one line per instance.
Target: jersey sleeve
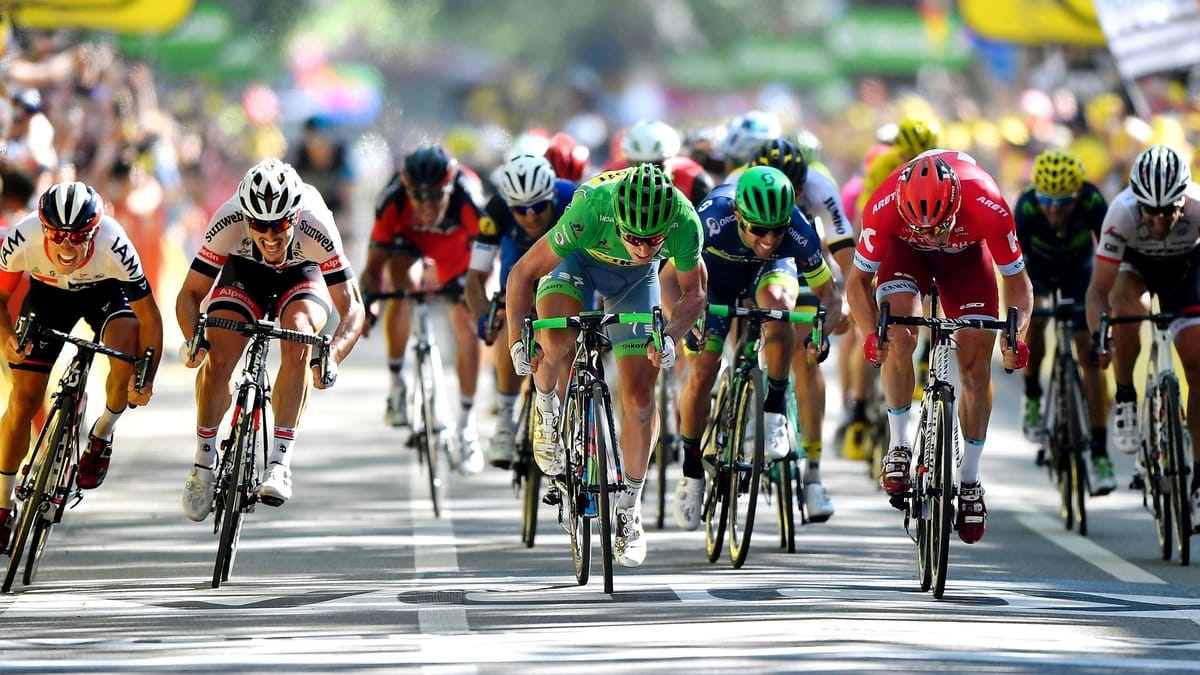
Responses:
[820,189]
[223,233]
[686,237]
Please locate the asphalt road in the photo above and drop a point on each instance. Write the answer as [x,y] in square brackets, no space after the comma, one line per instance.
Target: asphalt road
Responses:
[354,573]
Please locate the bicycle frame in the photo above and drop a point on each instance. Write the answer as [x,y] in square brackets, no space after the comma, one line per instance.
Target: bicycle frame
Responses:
[47,487]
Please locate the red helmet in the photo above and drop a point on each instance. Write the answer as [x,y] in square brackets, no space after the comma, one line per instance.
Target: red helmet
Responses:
[928,193]
[569,158]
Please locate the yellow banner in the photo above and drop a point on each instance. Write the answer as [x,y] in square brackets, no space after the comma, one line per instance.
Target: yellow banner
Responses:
[122,16]
[1034,22]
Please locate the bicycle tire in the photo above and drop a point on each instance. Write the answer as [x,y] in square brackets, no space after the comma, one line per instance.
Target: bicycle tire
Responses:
[1079,440]
[943,497]
[918,506]
[1058,444]
[430,437]
[31,511]
[579,526]
[785,513]
[1180,487]
[526,475]
[235,486]
[662,447]
[744,482]
[1155,477]
[716,506]
[605,446]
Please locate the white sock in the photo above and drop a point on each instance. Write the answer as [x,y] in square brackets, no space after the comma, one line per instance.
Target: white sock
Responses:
[103,428]
[506,405]
[281,449]
[972,454]
[633,494]
[898,424]
[206,446]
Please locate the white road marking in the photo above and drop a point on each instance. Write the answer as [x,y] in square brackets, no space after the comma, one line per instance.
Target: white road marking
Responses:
[1086,550]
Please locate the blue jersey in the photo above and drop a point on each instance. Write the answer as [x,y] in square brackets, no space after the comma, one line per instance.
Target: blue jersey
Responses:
[723,245]
[508,237]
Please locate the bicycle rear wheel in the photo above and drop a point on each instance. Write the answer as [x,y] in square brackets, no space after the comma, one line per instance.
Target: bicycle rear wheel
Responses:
[746,469]
[38,503]
[604,472]
[236,484]
[943,481]
[1177,470]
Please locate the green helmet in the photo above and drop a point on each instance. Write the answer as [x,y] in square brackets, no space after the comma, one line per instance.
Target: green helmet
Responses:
[644,201]
[765,196]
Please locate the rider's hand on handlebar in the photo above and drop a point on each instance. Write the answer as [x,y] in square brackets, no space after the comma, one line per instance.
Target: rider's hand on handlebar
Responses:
[11,353]
[139,398]
[1095,356]
[1014,359]
[185,350]
[874,354]
[816,354]
[664,359]
[331,374]
[520,360]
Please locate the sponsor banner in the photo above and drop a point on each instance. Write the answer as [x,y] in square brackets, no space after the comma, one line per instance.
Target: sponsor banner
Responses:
[1151,36]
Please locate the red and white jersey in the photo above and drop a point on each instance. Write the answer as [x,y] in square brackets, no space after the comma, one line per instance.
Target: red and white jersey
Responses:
[111,256]
[315,239]
[1124,230]
[983,217]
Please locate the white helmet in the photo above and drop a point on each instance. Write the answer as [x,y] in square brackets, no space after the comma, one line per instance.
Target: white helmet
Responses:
[648,141]
[528,143]
[527,179]
[271,190]
[747,133]
[1159,177]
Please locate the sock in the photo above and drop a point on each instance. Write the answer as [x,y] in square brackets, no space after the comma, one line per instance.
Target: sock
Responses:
[103,428]
[1126,393]
[466,403]
[812,456]
[546,401]
[281,449]
[776,395]
[206,447]
[692,466]
[898,424]
[1033,388]
[1099,441]
[633,495]
[858,411]
[505,406]
[7,482]
[972,454]
[394,367]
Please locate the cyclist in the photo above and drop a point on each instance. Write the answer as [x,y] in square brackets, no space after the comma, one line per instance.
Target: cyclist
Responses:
[757,244]
[657,143]
[273,238]
[744,135]
[530,200]
[1058,223]
[610,240]
[1150,241]
[569,159]
[948,225]
[433,208]
[81,265]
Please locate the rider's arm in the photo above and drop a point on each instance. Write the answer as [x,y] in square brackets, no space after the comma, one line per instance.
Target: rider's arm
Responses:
[150,330]
[693,297]
[196,286]
[862,300]
[536,262]
[372,275]
[477,299]
[1104,276]
[349,303]
[1018,292]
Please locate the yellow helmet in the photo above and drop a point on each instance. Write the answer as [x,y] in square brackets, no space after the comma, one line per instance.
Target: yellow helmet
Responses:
[1057,173]
[914,136]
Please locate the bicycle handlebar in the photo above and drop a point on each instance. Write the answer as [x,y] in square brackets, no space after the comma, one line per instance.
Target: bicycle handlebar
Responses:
[1161,320]
[593,320]
[27,326]
[268,330]
[941,323]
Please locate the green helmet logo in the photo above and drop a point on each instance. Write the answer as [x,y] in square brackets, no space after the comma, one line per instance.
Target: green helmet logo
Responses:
[765,196]
[644,201]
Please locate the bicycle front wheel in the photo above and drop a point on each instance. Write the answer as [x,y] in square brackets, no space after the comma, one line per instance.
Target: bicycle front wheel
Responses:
[919,503]
[746,469]
[663,447]
[1078,441]
[607,478]
[235,471]
[1177,470]
[431,438]
[32,527]
[943,482]
[1157,482]
[781,483]
[715,441]
[579,526]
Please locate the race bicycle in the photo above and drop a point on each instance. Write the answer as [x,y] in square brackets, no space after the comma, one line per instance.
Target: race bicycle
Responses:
[238,474]
[667,447]
[593,474]
[929,501]
[428,413]
[47,486]
[1164,464]
[733,442]
[526,476]
[1067,423]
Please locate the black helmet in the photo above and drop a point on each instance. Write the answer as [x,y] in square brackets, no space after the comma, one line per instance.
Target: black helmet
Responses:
[70,207]
[782,154]
[428,166]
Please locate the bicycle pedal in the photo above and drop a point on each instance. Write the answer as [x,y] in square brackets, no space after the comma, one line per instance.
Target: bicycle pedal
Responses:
[899,502]
[1137,483]
[552,497]
[1041,457]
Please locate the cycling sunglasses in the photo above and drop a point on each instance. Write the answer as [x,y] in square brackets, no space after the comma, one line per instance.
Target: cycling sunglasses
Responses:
[651,241]
[266,226]
[764,230]
[76,238]
[536,207]
[429,194]
[1061,202]
[1168,210]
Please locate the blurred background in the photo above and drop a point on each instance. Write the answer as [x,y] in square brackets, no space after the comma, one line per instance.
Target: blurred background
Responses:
[163,105]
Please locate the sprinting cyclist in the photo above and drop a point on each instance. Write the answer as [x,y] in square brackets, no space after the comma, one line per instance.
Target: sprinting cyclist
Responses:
[1058,223]
[432,208]
[609,241]
[274,238]
[1150,242]
[940,220]
[81,265]
[530,200]
[757,244]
